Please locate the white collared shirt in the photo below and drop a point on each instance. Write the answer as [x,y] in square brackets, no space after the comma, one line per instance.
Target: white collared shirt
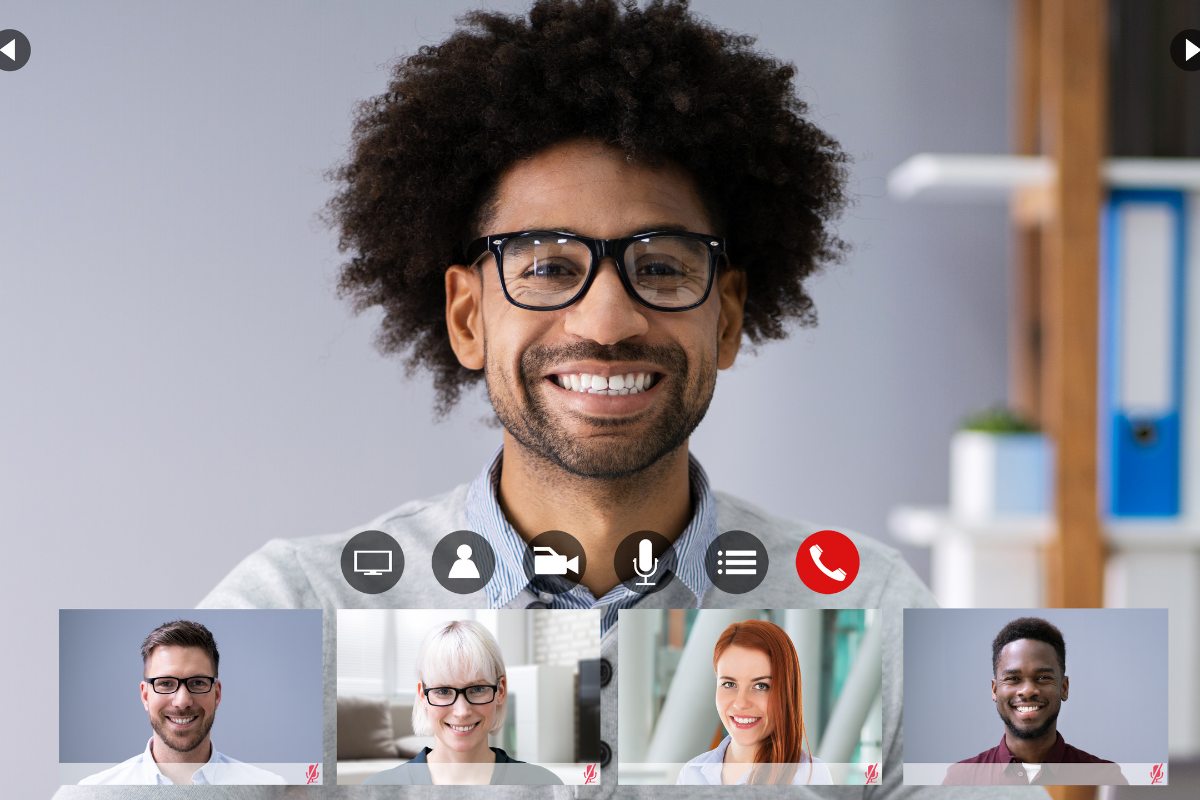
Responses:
[705,769]
[143,771]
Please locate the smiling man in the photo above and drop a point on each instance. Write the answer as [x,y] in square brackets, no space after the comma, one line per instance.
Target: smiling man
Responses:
[180,693]
[586,210]
[1029,686]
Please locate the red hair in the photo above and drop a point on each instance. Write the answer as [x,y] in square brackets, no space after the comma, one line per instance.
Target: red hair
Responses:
[787,744]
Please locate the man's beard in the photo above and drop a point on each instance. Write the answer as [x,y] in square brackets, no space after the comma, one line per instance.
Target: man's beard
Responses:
[1035,733]
[182,742]
[536,428]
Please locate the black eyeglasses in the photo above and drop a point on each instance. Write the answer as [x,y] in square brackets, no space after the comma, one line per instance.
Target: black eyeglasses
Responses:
[198,684]
[549,270]
[448,695]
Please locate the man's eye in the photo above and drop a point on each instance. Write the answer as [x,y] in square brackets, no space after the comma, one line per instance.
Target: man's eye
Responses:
[658,269]
[545,268]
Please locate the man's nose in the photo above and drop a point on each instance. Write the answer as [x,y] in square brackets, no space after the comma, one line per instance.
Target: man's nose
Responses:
[182,697]
[606,314]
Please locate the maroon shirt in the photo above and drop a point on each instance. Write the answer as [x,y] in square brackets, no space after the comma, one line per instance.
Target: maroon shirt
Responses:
[998,766]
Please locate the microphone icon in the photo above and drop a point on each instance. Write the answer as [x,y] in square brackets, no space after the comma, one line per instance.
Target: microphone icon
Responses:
[642,564]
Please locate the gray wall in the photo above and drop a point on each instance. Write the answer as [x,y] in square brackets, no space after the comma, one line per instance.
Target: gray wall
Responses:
[270,677]
[1116,660]
[174,361]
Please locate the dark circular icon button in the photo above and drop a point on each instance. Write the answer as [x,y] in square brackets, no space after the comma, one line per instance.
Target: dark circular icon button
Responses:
[372,562]
[554,562]
[14,50]
[736,562]
[1185,50]
[605,672]
[463,562]
[645,562]
[605,755]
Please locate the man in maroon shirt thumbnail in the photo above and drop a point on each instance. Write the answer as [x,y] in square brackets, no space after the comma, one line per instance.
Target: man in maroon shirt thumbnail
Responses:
[1029,686]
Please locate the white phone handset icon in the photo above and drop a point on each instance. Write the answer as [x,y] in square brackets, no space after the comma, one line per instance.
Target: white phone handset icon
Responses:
[837,574]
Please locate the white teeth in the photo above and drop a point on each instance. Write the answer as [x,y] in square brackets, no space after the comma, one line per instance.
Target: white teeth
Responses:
[745,720]
[630,383]
[463,729]
[181,720]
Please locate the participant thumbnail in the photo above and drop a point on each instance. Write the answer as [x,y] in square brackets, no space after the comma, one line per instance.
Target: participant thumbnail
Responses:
[1044,696]
[171,697]
[750,696]
[461,696]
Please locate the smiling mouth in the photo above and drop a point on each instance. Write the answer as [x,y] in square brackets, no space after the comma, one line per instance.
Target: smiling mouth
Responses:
[585,383]
[462,728]
[182,722]
[744,722]
[1027,709]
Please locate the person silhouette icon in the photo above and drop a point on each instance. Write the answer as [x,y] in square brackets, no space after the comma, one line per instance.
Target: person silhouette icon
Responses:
[464,567]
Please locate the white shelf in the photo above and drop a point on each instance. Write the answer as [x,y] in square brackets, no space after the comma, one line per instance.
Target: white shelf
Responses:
[924,525]
[940,176]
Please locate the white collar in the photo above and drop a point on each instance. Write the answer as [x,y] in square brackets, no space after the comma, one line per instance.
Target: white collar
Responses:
[155,776]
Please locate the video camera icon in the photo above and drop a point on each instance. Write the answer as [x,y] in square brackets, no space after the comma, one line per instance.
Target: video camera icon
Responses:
[553,563]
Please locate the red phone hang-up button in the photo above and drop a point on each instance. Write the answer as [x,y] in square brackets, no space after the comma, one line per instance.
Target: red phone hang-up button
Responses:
[827,562]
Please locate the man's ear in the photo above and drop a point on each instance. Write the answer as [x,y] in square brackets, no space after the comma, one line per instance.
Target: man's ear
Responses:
[1066,682]
[146,696]
[216,700]
[993,690]
[731,291]
[464,315]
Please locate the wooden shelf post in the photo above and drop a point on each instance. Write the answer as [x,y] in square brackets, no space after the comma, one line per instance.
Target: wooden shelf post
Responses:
[1073,87]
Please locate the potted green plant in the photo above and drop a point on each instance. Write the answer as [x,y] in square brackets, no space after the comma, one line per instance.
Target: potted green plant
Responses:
[1000,466]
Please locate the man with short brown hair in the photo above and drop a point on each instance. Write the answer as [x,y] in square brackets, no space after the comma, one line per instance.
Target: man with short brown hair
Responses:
[180,692]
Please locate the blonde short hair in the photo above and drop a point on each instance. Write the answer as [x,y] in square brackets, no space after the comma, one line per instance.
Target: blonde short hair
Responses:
[454,653]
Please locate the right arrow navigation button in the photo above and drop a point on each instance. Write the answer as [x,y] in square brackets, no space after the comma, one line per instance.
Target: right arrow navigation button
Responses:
[1184,48]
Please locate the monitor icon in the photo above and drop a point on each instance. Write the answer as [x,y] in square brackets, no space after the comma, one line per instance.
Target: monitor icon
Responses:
[372,562]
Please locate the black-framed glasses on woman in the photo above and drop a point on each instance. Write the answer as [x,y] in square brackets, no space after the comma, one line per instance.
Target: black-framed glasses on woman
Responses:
[197,684]
[479,695]
[549,270]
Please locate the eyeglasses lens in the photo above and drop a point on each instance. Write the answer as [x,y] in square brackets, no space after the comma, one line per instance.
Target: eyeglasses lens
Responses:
[668,271]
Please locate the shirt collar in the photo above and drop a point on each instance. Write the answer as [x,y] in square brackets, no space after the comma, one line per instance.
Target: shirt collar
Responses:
[486,518]
[715,760]
[1055,755]
[155,776]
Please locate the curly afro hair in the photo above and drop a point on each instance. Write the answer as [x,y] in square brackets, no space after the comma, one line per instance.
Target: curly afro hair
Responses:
[656,82]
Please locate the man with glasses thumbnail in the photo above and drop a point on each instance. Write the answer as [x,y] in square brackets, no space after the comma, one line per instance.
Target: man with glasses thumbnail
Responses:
[180,692]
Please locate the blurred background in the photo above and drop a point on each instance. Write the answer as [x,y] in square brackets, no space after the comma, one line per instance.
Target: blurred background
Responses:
[552,660]
[666,687]
[175,362]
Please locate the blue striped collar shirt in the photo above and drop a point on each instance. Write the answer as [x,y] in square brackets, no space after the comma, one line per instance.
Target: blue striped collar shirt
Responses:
[485,517]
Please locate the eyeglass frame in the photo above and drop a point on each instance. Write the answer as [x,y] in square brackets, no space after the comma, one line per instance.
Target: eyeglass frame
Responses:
[495,687]
[600,250]
[183,682]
